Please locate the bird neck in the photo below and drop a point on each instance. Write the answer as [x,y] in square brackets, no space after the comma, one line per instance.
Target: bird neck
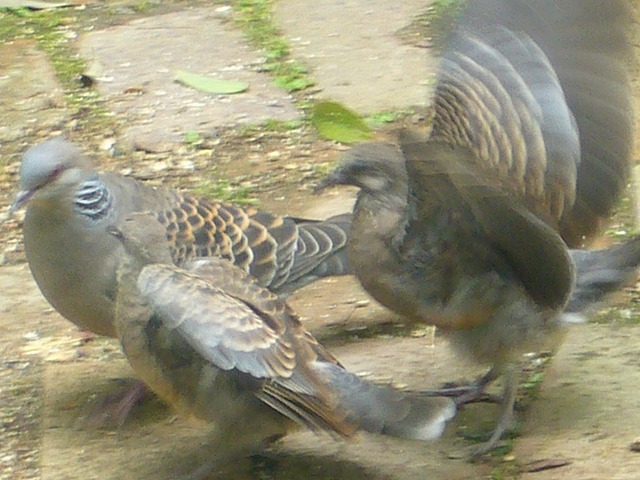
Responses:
[93,199]
[386,216]
[128,270]
[131,316]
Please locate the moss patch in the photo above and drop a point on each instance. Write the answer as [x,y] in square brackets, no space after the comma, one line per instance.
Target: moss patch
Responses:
[255,18]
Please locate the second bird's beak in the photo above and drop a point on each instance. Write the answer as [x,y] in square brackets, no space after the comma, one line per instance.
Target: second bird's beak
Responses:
[337,177]
[114,231]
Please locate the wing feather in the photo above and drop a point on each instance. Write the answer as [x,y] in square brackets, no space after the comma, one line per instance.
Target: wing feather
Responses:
[226,332]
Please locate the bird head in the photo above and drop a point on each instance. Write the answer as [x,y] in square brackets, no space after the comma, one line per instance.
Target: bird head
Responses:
[50,169]
[378,169]
[143,237]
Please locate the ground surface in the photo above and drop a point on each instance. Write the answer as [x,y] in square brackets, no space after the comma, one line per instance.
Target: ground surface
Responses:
[584,420]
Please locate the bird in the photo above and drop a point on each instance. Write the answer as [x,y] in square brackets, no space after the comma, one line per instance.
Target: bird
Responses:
[223,349]
[69,204]
[73,260]
[468,229]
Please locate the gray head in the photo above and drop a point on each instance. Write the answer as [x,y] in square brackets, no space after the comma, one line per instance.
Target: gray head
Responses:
[49,169]
[378,169]
[143,237]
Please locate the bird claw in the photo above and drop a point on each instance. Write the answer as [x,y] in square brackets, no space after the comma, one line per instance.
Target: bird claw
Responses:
[468,393]
[113,409]
[463,394]
[476,452]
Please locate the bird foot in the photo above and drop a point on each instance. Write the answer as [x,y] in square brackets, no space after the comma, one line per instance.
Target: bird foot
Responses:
[505,416]
[469,393]
[112,410]
[475,453]
[464,394]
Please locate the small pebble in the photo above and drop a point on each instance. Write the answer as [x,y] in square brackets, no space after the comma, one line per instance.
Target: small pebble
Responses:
[635,446]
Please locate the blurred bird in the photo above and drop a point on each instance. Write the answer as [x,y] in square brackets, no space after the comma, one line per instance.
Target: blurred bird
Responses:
[220,347]
[74,261]
[529,151]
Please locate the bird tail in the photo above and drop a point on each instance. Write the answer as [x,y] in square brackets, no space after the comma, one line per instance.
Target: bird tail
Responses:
[382,409]
[602,272]
[320,252]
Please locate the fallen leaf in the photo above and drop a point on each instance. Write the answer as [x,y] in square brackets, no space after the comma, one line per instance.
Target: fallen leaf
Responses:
[545,464]
[207,84]
[34,5]
[336,122]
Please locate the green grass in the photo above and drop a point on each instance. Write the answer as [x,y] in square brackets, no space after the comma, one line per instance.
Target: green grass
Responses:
[53,32]
[226,191]
[441,19]
[141,7]
[275,126]
[255,18]
[505,471]
[282,125]
[386,117]
[11,24]
[193,138]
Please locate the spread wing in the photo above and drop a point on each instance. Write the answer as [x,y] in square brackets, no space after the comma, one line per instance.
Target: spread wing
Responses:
[499,97]
[539,91]
[588,45]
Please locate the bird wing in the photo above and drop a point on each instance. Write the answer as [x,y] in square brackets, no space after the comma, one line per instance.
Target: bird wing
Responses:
[589,50]
[444,174]
[235,324]
[283,253]
[246,289]
[280,252]
[506,141]
[320,250]
[227,332]
[498,96]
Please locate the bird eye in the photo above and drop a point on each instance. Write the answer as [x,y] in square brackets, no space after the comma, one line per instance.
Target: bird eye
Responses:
[55,173]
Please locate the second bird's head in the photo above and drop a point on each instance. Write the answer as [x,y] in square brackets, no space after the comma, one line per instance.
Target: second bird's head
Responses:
[375,168]
[143,237]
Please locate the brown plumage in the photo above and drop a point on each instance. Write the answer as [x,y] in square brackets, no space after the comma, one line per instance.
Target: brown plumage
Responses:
[539,92]
[282,253]
[220,347]
[530,149]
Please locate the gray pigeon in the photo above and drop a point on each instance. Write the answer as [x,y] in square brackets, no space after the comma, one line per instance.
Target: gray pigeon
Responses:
[530,148]
[221,348]
[73,260]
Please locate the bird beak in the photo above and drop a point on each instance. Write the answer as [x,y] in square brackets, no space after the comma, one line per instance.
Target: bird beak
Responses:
[337,177]
[114,231]
[21,199]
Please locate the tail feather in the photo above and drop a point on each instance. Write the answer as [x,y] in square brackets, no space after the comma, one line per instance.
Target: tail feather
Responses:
[382,409]
[320,252]
[602,272]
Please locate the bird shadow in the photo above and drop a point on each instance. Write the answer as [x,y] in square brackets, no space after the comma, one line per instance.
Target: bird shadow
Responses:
[272,465]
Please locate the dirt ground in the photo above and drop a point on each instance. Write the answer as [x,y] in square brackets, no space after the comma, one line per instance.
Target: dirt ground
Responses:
[581,423]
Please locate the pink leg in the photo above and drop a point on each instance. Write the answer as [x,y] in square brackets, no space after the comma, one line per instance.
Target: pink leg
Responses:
[114,409]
